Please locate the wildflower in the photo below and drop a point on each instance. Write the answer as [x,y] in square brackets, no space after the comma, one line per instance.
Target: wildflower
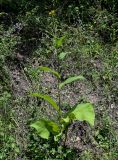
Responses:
[52,13]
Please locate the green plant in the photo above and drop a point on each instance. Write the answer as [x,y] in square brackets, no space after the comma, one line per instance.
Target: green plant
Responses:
[7,45]
[81,112]
[8,142]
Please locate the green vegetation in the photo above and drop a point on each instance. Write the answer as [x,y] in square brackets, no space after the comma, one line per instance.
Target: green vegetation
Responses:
[82,112]
[72,38]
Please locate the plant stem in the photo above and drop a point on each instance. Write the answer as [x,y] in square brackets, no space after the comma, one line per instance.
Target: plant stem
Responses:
[58,67]
[66,134]
[59,94]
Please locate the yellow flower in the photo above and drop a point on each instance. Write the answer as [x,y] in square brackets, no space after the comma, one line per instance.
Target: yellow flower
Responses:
[52,13]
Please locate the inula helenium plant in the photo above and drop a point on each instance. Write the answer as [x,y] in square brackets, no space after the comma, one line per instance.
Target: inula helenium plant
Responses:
[81,112]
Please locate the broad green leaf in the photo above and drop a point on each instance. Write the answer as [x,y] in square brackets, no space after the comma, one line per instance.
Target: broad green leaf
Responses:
[59,41]
[82,112]
[48,99]
[45,127]
[62,55]
[41,128]
[70,80]
[47,69]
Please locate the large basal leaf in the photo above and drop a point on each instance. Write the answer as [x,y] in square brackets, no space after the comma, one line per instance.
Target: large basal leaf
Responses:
[48,99]
[82,112]
[45,127]
[70,80]
[47,69]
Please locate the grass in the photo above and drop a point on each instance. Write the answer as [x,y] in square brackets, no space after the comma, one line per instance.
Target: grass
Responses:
[87,54]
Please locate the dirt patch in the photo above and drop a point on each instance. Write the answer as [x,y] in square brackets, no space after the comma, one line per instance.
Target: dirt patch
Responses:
[72,94]
[20,82]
